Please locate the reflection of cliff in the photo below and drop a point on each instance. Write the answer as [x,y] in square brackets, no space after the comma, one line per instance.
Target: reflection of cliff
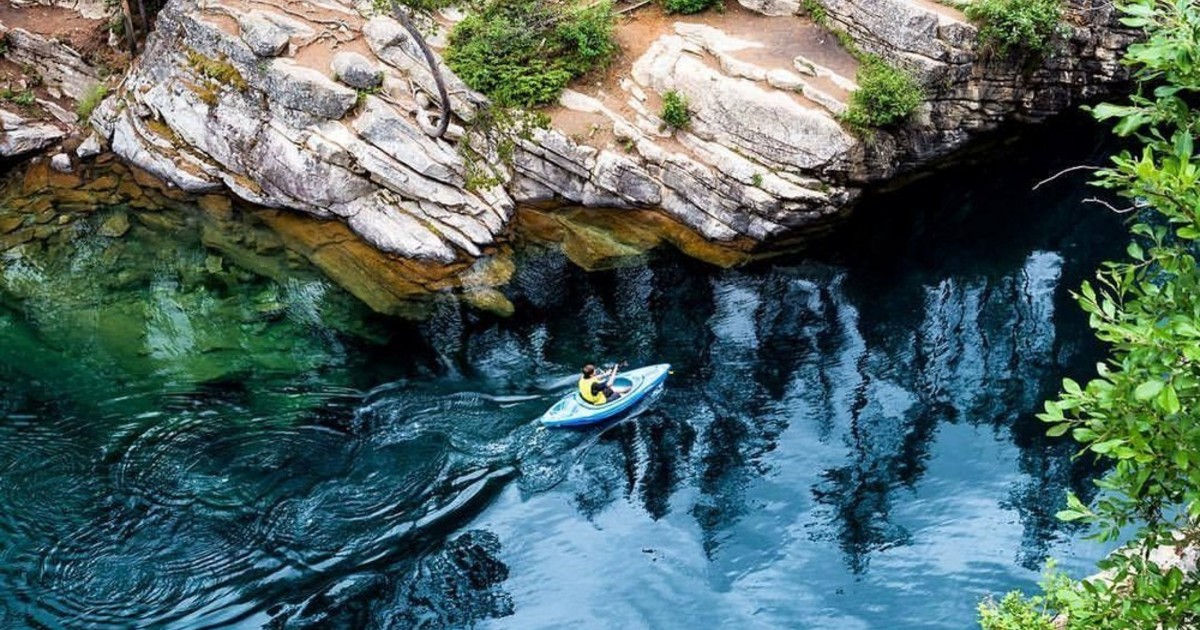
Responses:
[976,352]
[872,375]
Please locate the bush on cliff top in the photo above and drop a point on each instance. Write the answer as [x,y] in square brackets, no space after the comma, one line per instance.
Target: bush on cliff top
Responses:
[675,110]
[886,95]
[688,7]
[1011,26]
[524,52]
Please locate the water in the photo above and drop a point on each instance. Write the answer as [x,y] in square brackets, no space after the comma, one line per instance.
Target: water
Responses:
[847,439]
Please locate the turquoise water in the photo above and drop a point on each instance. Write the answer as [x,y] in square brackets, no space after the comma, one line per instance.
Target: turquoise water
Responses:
[847,439]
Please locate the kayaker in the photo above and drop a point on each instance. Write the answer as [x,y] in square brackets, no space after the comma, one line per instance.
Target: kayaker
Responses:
[595,388]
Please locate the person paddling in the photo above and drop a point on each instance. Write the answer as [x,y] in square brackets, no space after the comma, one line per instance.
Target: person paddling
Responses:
[595,388]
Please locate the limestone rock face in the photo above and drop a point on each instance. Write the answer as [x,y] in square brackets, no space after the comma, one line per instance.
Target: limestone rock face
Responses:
[969,91]
[764,154]
[59,65]
[207,110]
[325,110]
[21,136]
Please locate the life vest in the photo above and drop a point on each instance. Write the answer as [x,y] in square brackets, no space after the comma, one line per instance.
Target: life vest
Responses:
[585,390]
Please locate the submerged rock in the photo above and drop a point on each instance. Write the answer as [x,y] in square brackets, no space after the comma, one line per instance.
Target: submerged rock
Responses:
[115,226]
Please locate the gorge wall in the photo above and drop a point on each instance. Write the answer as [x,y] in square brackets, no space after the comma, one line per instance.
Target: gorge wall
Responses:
[321,107]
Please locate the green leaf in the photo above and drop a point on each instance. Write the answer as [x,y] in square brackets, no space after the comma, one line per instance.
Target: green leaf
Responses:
[1181,460]
[1071,387]
[1188,233]
[1059,429]
[1107,445]
[1183,145]
[1069,515]
[1168,400]
[1147,390]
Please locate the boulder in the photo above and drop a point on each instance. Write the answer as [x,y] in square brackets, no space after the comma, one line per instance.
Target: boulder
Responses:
[262,34]
[89,147]
[307,90]
[356,71]
[61,162]
[115,226]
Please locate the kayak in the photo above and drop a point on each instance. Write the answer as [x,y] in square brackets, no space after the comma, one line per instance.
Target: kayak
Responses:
[572,411]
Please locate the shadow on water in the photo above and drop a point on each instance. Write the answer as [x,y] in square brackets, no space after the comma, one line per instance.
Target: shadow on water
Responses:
[846,441]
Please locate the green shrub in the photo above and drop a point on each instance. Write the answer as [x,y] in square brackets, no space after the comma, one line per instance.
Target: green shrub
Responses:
[25,98]
[886,95]
[90,100]
[675,110]
[1014,612]
[688,7]
[524,52]
[1010,26]
[815,11]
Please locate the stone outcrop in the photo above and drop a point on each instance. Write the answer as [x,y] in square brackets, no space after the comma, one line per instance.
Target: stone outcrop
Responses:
[970,91]
[21,136]
[44,74]
[324,110]
[210,107]
[765,154]
[59,65]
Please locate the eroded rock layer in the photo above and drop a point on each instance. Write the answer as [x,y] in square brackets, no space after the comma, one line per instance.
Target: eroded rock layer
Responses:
[322,107]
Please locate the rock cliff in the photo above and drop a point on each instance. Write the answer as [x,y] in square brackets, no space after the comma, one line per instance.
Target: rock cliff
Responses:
[277,102]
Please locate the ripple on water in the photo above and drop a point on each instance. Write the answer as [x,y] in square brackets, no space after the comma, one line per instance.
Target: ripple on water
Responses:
[45,471]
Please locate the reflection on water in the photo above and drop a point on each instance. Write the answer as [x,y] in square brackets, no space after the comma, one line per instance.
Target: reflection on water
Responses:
[846,440]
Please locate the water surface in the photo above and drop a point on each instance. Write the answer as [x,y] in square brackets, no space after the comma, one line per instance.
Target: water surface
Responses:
[847,439]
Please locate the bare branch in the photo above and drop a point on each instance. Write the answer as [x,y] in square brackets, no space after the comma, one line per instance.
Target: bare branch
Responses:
[632,8]
[1112,207]
[443,97]
[1082,167]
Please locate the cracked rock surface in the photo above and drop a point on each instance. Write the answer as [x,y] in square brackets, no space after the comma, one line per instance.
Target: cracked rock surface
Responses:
[319,108]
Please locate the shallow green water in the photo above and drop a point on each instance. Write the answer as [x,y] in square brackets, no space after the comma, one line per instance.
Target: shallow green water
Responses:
[846,440]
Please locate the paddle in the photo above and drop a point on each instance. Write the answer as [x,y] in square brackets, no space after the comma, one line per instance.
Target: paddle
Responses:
[612,375]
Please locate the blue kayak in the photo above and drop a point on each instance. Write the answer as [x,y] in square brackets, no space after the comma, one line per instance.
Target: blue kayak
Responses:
[572,411]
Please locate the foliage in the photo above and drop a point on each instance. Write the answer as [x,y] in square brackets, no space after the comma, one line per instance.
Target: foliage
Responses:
[1014,613]
[885,96]
[523,52]
[675,110]
[91,98]
[116,24]
[1010,26]
[816,11]
[688,7]
[1140,413]
[384,7]
[361,94]
[24,98]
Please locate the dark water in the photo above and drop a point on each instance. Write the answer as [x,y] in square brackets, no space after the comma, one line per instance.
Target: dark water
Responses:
[847,439]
